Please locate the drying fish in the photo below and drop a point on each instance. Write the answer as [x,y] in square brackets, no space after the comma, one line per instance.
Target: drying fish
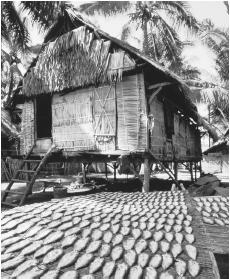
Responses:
[116,253]
[180,216]
[76,220]
[84,224]
[86,232]
[153,246]
[125,231]
[18,246]
[126,223]
[10,241]
[166,275]
[169,236]
[140,246]
[107,237]
[208,220]
[35,272]
[130,257]
[88,276]
[81,244]
[167,261]
[191,251]
[68,241]
[42,234]
[142,226]
[53,255]
[54,224]
[33,231]
[136,233]
[96,265]
[23,267]
[108,269]
[150,273]
[180,267]
[117,239]
[151,225]
[158,236]
[97,234]
[12,263]
[143,259]
[176,249]
[135,224]
[67,259]
[177,228]
[66,226]
[93,246]
[155,261]
[43,251]
[74,230]
[115,228]
[179,237]
[170,222]
[135,272]
[71,274]
[165,246]
[105,250]
[52,274]
[53,237]
[105,227]
[219,222]
[134,218]
[159,227]
[167,228]
[190,238]
[188,230]
[10,225]
[146,234]
[6,257]
[31,248]
[129,243]
[83,260]
[7,235]
[121,271]
[193,268]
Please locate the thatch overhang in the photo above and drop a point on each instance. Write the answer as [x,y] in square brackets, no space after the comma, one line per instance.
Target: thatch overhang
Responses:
[8,129]
[222,145]
[88,56]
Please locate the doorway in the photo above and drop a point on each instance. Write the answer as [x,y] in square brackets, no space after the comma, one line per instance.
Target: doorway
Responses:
[43,116]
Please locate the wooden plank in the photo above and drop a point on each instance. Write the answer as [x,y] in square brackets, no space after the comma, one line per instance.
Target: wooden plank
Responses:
[146,176]
[159,85]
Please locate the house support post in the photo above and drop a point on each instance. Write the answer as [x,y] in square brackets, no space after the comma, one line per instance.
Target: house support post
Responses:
[84,172]
[191,171]
[115,171]
[106,171]
[195,165]
[200,168]
[146,176]
[176,170]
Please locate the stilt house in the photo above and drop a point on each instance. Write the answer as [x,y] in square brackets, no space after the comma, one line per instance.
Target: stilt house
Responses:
[90,93]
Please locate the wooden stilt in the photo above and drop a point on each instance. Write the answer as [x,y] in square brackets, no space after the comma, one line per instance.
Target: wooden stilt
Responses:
[191,171]
[200,168]
[114,171]
[195,165]
[176,170]
[146,176]
[106,171]
[84,172]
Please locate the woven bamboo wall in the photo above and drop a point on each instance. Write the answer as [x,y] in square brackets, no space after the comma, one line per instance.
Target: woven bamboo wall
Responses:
[72,120]
[131,110]
[27,130]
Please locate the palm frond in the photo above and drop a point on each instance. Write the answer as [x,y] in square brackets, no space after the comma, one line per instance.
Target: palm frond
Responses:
[126,31]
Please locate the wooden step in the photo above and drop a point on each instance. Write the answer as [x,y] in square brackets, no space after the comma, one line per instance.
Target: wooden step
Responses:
[20,180]
[9,204]
[27,171]
[14,192]
[32,161]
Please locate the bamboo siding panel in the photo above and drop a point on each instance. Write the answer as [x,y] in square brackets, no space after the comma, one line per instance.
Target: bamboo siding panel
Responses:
[72,120]
[131,129]
[27,130]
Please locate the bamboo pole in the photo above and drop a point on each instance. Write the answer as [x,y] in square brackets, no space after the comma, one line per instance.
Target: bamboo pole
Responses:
[175,170]
[146,175]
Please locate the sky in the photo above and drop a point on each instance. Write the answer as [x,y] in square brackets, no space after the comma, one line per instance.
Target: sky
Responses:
[198,55]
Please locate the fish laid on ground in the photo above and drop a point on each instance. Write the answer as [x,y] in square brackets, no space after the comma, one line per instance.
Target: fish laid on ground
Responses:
[142,226]
[6,257]
[153,245]
[97,234]
[74,230]
[7,235]
[53,255]
[96,264]
[150,273]
[167,261]
[126,223]
[193,268]
[10,225]
[190,238]
[130,257]
[51,274]
[23,267]
[105,250]
[143,259]
[151,225]
[116,253]
[107,237]
[67,259]
[84,224]
[165,246]
[76,220]
[125,231]
[115,228]
[180,266]
[136,233]
[140,246]
[167,228]
[179,237]
[71,274]
[105,227]
[177,228]
[158,236]
[10,241]
[218,221]
[108,269]
[83,260]
[34,273]
[135,224]
[12,263]
[54,224]
[117,239]
[188,230]
[86,232]
[146,234]
[81,244]
[155,261]
[88,276]
[57,216]
[53,237]
[121,271]
[176,249]
[43,251]
[170,222]
[18,246]
[33,231]
[166,275]
[42,234]
[68,241]
[93,246]
[169,236]
[208,220]
[32,248]
[191,251]
[135,272]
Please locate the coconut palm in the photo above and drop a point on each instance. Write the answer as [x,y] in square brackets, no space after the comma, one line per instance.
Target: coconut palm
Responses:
[158,20]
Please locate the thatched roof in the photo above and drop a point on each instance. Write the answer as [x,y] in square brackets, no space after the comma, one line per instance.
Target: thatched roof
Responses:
[222,145]
[87,56]
[8,129]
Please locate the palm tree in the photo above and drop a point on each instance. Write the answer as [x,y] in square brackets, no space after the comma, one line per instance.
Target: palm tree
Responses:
[158,20]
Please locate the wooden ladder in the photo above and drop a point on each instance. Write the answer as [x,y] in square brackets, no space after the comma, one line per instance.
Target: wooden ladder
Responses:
[30,182]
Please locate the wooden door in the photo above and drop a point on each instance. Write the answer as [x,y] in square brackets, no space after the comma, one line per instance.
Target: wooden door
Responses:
[105,117]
